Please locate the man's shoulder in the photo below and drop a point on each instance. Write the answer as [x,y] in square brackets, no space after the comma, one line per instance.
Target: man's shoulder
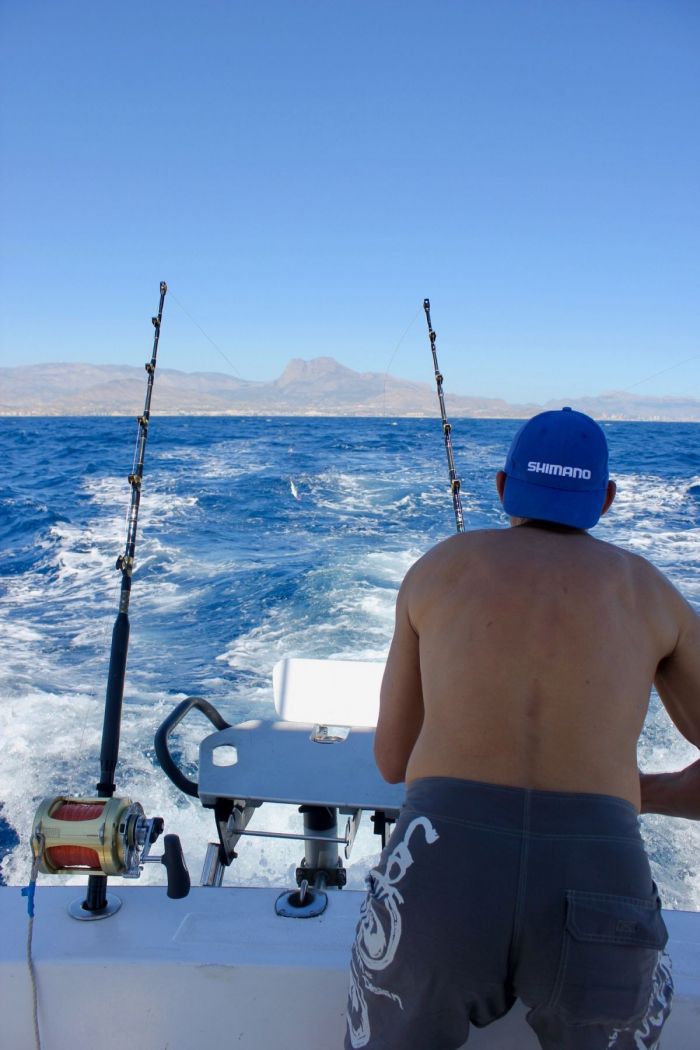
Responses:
[465,540]
[635,563]
[651,586]
[459,546]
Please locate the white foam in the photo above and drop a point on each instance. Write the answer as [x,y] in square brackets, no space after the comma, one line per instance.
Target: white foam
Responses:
[355,608]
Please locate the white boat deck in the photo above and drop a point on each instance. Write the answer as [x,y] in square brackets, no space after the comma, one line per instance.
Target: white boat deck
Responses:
[219,968]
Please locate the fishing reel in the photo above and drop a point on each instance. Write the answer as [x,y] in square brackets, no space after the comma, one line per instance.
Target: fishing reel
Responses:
[104,836]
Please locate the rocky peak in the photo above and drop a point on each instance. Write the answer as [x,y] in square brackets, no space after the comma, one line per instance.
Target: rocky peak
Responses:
[300,371]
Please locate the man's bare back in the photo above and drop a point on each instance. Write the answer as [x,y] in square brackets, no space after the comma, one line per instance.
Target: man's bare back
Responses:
[526,656]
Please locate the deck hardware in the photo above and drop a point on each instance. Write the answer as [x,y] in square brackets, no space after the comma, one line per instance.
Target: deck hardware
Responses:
[351,831]
[213,870]
[381,821]
[308,901]
[289,906]
[324,734]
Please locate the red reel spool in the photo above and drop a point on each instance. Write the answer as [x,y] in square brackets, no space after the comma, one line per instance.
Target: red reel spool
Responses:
[75,856]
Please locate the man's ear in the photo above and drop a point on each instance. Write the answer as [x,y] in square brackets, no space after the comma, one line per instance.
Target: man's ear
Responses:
[609,497]
[501,484]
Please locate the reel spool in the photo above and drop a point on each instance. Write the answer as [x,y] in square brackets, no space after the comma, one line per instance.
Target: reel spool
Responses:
[107,835]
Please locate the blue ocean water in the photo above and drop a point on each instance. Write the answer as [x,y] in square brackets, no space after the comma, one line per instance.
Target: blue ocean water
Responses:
[259,538]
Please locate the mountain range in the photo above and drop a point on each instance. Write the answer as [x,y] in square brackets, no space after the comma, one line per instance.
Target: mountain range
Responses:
[320,387]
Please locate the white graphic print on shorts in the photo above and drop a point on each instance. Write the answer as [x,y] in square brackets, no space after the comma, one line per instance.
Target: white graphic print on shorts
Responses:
[379,931]
[648,1034]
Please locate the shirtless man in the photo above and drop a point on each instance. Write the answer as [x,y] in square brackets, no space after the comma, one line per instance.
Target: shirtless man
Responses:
[514,695]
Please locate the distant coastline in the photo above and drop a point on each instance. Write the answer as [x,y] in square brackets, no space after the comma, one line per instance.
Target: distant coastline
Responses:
[318,387]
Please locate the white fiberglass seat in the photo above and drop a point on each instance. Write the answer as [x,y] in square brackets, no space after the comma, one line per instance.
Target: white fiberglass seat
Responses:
[327,692]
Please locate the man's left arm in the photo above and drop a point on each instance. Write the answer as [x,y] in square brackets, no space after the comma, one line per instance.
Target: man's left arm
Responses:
[401,698]
[673,794]
[677,682]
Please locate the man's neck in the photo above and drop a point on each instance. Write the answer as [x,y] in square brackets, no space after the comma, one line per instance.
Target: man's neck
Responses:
[547,526]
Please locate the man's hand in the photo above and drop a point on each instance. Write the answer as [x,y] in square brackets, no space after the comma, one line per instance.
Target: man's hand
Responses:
[673,794]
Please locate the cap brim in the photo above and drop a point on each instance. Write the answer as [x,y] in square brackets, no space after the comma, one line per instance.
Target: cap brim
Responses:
[580,510]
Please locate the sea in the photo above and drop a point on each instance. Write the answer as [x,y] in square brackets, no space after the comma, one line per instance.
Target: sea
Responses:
[260,538]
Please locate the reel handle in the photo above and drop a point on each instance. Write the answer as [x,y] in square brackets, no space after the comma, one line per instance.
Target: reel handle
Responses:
[173,860]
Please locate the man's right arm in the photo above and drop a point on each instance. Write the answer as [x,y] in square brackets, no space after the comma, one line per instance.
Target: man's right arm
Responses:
[678,685]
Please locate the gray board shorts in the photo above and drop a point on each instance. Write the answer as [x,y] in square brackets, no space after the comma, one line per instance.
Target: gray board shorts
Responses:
[487,894]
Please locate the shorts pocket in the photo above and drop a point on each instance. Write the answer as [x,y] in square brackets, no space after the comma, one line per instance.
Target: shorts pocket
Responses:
[609,954]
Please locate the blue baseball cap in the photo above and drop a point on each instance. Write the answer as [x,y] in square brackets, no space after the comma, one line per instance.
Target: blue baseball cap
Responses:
[557,470]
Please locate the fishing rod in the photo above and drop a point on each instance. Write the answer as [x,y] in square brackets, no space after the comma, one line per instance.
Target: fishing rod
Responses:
[106,835]
[455,483]
[125,564]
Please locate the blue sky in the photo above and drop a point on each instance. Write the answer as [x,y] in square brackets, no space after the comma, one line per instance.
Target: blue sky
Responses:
[303,173]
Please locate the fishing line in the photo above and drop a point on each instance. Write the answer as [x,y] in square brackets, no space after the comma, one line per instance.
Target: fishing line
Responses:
[395,351]
[207,337]
[663,371]
[28,892]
